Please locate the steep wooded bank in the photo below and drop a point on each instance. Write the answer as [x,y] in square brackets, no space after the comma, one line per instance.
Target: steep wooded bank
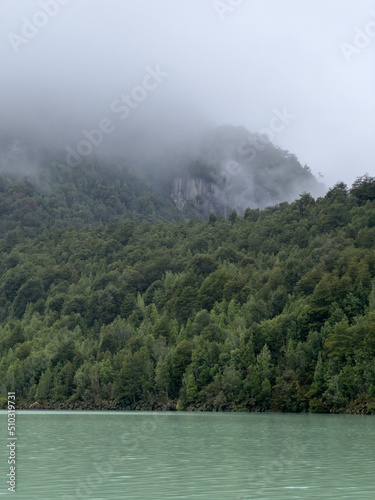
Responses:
[271,311]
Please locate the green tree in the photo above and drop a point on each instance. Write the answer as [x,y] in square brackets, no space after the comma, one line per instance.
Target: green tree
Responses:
[30,292]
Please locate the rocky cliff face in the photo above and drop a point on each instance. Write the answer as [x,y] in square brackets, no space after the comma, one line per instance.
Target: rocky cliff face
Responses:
[235,169]
[204,195]
[186,189]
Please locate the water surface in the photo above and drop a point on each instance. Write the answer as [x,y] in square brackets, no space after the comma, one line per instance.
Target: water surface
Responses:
[176,455]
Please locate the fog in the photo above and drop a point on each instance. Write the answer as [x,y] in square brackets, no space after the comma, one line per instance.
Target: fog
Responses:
[156,73]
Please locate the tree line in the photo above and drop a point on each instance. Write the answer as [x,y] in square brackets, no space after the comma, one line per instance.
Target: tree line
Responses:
[274,310]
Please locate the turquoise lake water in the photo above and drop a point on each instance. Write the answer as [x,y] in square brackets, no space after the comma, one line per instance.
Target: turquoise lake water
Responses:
[177,455]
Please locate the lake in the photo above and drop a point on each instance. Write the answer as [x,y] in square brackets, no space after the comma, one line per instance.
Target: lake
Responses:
[179,455]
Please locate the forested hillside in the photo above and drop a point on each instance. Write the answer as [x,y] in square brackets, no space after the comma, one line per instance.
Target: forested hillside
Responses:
[57,196]
[227,168]
[274,310]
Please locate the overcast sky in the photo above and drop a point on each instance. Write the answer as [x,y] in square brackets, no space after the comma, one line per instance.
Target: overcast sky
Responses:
[222,62]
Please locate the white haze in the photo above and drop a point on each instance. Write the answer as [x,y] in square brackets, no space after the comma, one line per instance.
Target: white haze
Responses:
[235,68]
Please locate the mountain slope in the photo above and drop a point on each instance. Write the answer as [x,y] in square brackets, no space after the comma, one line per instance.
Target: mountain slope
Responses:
[213,173]
[233,169]
[273,310]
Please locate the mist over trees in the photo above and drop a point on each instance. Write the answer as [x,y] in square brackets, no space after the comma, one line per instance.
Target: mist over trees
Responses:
[270,311]
[219,170]
[165,242]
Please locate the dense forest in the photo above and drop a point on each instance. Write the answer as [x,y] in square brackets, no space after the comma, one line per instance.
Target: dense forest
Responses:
[91,194]
[226,168]
[110,298]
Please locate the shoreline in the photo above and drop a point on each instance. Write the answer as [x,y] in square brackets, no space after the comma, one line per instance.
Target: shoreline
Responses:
[171,406]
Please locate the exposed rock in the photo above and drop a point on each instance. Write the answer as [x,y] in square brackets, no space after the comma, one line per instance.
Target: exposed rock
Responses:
[202,192]
[234,170]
